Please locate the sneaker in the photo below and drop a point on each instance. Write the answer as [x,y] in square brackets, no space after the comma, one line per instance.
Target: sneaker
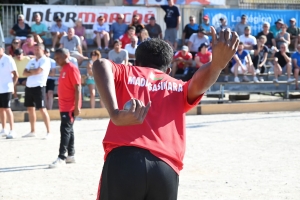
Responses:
[275,80]
[29,135]
[11,135]
[290,80]
[52,49]
[261,79]
[226,79]
[100,48]
[3,133]
[236,79]
[70,159]
[48,136]
[17,102]
[255,79]
[246,79]
[106,49]
[58,163]
[257,71]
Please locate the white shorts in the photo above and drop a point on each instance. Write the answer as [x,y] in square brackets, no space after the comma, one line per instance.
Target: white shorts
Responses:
[21,37]
[241,69]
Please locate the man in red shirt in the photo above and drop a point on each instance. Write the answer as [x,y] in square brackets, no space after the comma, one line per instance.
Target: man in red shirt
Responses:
[126,38]
[69,100]
[145,144]
[181,60]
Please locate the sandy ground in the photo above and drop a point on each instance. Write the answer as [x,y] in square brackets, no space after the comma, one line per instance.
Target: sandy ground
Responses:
[241,156]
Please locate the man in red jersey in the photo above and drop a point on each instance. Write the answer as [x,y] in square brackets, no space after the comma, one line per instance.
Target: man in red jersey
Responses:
[145,145]
[69,93]
[181,60]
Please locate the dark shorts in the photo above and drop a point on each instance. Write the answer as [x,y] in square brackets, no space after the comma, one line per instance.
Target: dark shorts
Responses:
[5,99]
[35,97]
[134,173]
[21,80]
[171,35]
[50,85]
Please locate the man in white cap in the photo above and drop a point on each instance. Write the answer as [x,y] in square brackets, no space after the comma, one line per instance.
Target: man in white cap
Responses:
[294,32]
[181,60]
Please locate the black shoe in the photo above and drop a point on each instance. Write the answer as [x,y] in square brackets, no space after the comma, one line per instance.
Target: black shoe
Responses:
[17,102]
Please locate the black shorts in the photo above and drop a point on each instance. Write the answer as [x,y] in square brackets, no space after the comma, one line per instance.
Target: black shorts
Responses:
[34,97]
[50,85]
[21,80]
[5,99]
[134,173]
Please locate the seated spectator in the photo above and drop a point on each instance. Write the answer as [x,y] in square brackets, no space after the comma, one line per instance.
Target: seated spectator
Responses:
[58,30]
[71,59]
[144,36]
[130,48]
[241,64]
[282,37]
[203,56]
[137,25]
[181,60]
[223,25]
[118,28]
[206,26]
[21,29]
[80,32]
[275,29]
[240,26]
[50,84]
[247,39]
[154,29]
[189,29]
[283,63]
[72,43]
[296,65]
[294,32]
[126,38]
[196,40]
[101,32]
[21,62]
[117,54]
[270,36]
[28,47]
[15,44]
[39,30]
[260,55]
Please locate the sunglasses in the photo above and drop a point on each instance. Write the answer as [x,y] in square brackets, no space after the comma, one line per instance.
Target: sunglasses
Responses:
[191,19]
[15,42]
[120,18]
[20,19]
[58,21]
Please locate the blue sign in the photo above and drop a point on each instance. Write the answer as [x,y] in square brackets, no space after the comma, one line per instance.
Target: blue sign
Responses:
[255,18]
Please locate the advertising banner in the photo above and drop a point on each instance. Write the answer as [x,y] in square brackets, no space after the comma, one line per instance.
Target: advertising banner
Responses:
[178,2]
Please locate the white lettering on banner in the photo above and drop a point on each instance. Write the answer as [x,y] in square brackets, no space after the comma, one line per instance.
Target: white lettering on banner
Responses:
[255,20]
[163,85]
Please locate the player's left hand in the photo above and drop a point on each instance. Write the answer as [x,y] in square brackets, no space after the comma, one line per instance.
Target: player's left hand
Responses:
[76,112]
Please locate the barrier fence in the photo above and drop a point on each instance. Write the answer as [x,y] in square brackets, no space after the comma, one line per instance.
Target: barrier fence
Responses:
[270,4]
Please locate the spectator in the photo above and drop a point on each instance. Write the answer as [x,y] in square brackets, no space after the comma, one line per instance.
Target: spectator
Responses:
[277,27]
[203,56]
[283,37]
[206,26]
[189,29]
[117,54]
[137,24]
[21,62]
[260,55]
[196,40]
[72,43]
[296,64]
[130,48]
[101,31]
[80,32]
[283,63]
[21,29]
[248,39]
[28,47]
[144,36]
[58,30]
[270,36]
[223,25]
[71,59]
[181,60]
[15,44]
[9,77]
[126,38]
[294,32]
[37,71]
[240,27]
[118,28]
[50,84]
[241,64]
[154,29]
[39,30]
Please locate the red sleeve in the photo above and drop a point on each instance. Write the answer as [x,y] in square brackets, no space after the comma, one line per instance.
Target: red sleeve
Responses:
[118,71]
[190,56]
[187,105]
[75,77]
[177,55]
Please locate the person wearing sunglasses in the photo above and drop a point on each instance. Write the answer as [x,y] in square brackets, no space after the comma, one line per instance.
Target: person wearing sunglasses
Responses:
[15,44]
[270,36]
[57,31]
[21,29]
[118,28]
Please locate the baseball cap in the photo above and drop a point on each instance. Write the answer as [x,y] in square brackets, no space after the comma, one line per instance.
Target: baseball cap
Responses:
[21,16]
[201,30]
[29,36]
[18,51]
[244,16]
[57,18]
[221,19]
[279,21]
[203,45]
[293,19]
[152,18]
[205,17]
[247,27]
[185,48]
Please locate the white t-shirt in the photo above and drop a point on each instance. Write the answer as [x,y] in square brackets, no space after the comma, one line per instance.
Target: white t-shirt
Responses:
[196,41]
[41,78]
[7,66]
[97,27]
[250,40]
[130,49]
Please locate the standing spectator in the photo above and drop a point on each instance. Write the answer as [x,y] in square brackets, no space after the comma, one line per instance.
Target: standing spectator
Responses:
[247,39]
[223,25]
[206,26]
[181,60]
[117,54]
[126,38]
[260,55]
[240,26]
[283,37]
[275,29]
[80,32]
[137,24]
[39,30]
[37,71]
[144,36]
[130,48]
[58,30]
[9,77]
[72,43]
[189,29]
[15,44]
[283,63]
[154,29]
[28,47]
[101,31]
[21,29]
[69,92]
[196,40]
[294,32]
[203,56]
[296,64]
[50,84]
[270,36]
[118,28]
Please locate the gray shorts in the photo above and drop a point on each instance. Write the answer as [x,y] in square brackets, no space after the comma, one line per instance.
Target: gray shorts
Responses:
[171,35]
[75,54]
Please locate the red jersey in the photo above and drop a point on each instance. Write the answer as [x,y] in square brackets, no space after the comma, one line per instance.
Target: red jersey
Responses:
[125,39]
[204,58]
[187,57]
[69,77]
[163,130]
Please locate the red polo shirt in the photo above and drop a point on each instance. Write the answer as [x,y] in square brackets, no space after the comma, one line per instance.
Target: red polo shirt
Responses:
[125,39]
